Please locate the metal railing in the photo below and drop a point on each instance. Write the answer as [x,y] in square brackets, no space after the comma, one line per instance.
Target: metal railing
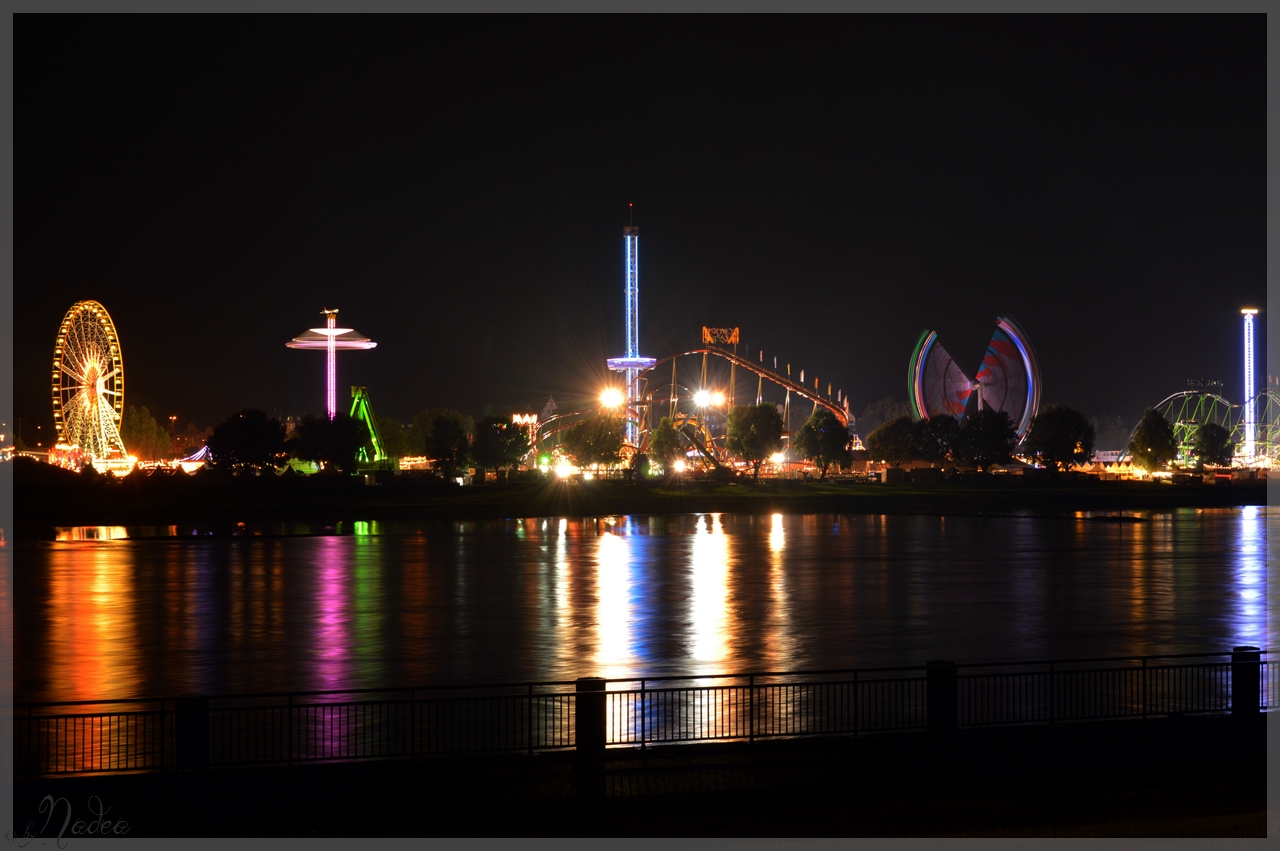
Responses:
[286,728]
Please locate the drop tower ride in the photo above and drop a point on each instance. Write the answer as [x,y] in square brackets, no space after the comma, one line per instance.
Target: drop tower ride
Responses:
[631,363]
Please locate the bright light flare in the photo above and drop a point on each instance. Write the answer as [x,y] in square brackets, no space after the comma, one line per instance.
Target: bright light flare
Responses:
[702,398]
[717,398]
[564,469]
[777,457]
[679,466]
[611,397]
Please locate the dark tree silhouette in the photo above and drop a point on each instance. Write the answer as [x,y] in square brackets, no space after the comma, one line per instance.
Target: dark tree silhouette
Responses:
[895,441]
[1061,435]
[664,441]
[597,440]
[1213,445]
[335,442]
[499,443]
[1152,445]
[936,438]
[824,440]
[448,443]
[986,438]
[247,440]
[755,433]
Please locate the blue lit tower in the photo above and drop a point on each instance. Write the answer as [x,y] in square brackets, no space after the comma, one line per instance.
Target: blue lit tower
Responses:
[631,363]
[1250,404]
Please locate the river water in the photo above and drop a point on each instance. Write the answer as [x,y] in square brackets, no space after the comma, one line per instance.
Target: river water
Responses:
[397,604]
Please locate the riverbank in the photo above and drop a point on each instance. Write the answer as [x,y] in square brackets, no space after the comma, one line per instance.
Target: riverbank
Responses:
[47,497]
[1177,776]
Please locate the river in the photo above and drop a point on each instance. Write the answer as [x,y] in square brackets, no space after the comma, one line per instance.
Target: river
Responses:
[110,613]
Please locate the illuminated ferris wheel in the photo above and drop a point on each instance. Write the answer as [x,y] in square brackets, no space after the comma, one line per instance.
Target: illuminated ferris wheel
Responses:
[88,382]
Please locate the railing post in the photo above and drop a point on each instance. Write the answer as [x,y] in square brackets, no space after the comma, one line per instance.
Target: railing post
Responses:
[855,704]
[940,696]
[31,756]
[528,716]
[644,711]
[192,732]
[1144,688]
[590,727]
[288,731]
[1246,681]
[1053,695]
[161,766]
[751,708]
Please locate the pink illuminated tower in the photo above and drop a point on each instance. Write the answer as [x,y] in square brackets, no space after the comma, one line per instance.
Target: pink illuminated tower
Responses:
[331,338]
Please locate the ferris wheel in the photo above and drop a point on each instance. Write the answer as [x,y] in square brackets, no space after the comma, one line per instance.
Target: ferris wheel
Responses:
[88,382]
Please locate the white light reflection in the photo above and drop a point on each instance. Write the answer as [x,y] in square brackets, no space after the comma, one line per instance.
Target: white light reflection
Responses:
[613,606]
[779,641]
[1250,625]
[710,592]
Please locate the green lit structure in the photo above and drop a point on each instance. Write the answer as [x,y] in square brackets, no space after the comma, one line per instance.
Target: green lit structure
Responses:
[363,411]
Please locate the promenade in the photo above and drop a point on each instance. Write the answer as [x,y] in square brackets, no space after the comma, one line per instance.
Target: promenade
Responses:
[1197,776]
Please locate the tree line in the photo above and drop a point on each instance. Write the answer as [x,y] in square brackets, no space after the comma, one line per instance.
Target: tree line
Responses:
[250,439]
[1059,437]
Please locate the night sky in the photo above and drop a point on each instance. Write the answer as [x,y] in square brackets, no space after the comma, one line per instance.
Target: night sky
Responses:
[457,187]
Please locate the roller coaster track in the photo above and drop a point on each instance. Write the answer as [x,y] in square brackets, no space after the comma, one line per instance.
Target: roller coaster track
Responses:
[760,370]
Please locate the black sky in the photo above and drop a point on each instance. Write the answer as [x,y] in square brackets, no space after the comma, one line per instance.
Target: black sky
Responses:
[457,186]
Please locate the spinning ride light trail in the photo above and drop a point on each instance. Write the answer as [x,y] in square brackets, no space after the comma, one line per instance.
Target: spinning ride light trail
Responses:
[331,339]
[1008,379]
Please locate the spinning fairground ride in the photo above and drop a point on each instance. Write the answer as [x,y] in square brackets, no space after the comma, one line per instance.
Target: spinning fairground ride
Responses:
[88,387]
[1008,379]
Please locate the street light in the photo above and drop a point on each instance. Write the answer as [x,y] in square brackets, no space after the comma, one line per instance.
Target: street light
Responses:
[611,397]
[702,398]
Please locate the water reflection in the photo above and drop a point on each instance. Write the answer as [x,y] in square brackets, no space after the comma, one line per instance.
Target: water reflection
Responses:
[396,604]
[613,606]
[92,640]
[332,638]
[1250,565]
[709,568]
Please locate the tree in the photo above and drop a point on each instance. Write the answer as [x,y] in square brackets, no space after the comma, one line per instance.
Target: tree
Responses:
[335,442]
[894,441]
[878,413]
[448,443]
[1061,435]
[936,438]
[640,463]
[143,437]
[395,440]
[986,438]
[419,440]
[664,441]
[596,440]
[1213,445]
[1152,445]
[755,432]
[824,440]
[499,443]
[247,441]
